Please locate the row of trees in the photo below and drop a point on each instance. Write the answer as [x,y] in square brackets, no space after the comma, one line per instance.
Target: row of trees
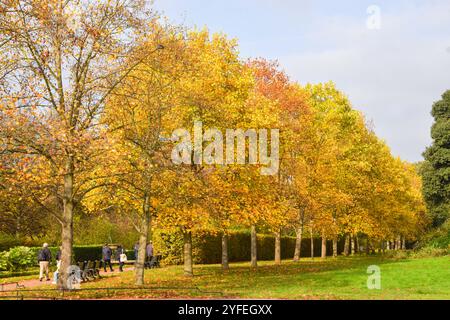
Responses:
[91,92]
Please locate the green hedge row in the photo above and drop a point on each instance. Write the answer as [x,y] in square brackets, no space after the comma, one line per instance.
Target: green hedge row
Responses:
[80,253]
[84,253]
[19,259]
[207,247]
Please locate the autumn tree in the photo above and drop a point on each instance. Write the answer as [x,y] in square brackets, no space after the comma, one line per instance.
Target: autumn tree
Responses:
[291,115]
[63,60]
[137,115]
[212,89]
[20,217]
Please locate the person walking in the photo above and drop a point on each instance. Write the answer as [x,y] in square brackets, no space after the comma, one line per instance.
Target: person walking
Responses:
[58,265]
[149,250]
[107,253]
[58,258]
[44,258]
[120,256]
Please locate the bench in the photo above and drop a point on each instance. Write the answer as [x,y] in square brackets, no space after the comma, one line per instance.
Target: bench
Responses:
[90,270]
[153,262]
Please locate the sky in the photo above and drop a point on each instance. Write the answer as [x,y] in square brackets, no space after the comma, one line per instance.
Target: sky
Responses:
[391,58]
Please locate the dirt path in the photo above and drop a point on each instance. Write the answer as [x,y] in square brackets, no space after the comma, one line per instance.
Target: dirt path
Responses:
[33,283]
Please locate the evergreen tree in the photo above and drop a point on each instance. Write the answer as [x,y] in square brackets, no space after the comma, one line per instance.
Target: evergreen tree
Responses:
[436,168]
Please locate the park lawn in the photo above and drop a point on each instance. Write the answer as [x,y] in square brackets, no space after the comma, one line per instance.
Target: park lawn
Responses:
[342,278]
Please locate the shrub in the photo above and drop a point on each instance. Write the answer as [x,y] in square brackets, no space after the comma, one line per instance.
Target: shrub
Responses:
[170,246]
[397,254]
[438,238]
[3,261]
[19,258]
[426,252]
[430,252]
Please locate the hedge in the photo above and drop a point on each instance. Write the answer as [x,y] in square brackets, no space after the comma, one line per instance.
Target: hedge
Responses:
[80,253]
[207,247]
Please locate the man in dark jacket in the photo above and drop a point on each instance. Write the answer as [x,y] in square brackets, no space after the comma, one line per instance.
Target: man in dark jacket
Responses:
[107,253]
[44,258]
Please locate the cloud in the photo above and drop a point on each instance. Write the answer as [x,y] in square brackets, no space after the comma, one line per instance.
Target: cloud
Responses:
[393,74]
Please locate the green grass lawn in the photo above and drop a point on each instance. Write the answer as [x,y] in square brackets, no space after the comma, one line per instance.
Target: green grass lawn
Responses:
[342,278]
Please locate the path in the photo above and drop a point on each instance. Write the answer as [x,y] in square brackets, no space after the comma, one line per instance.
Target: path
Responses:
[33,283]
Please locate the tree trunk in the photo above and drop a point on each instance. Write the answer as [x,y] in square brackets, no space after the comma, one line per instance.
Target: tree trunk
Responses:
[324,246]
[254,247]
[278,248]
[298,243]
[225,264]
[346,245]
[352,245]
[67,225]
[312,243]
[143,239]
[17,234]
[335,247]
[187,253]
[367,245]
[403,243]
[357,249]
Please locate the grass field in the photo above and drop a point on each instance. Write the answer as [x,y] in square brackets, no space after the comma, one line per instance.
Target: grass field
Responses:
[342,278]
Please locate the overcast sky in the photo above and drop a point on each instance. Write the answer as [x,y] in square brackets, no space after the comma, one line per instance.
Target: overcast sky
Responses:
[393,74]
